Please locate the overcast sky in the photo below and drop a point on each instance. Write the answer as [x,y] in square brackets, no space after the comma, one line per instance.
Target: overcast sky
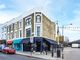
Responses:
[65,11]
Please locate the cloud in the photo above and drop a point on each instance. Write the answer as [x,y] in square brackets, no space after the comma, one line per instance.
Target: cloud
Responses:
[6,16]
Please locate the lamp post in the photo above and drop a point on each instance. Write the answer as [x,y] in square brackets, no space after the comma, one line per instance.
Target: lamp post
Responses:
[57,32]
[63,31]
[63,40]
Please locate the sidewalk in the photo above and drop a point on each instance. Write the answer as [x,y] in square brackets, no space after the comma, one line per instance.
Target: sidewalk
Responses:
[38,55]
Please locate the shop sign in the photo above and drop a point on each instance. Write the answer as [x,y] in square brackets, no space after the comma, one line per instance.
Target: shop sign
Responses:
[31,39]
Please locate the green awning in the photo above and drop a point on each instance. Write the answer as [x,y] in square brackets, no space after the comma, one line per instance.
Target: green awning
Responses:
[18,40]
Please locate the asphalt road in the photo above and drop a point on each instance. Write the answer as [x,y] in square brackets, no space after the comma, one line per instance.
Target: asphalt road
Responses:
[71,54]
[16,57]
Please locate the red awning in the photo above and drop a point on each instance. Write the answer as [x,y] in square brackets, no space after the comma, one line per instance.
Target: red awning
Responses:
[9,41]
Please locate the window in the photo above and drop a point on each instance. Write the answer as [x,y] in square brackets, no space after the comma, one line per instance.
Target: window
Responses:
[20,33]
[38,30]
[28,21]
[15,35]
[12,36]
[38,19]
[9,28]
[28,32]
[20,24]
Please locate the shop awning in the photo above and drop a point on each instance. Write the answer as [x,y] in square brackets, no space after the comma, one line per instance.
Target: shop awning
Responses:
[51,41]
[9,41]
[25,40]
[18,40]
[38,39]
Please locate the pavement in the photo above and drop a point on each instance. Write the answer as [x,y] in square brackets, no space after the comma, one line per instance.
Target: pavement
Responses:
[72,54]
[69,54]
[39,55]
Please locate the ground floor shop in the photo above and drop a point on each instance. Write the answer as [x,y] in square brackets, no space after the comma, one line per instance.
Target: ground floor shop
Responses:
[17,45]
[9,43]
[38,44]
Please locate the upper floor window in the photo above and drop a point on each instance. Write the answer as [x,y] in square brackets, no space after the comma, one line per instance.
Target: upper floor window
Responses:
[4,29]
[9,27]
[28,32]
[28,21]
[38,19]
[12,27]
[20,24]
[38,30]
[20,33]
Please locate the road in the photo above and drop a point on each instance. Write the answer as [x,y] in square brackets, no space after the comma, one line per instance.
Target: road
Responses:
[16,57]
[71,54]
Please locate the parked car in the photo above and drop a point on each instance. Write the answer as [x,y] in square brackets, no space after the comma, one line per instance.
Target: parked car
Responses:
[1,47]
[8,50]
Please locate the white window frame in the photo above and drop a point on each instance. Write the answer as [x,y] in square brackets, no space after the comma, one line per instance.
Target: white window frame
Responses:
[38,18]
[28,20]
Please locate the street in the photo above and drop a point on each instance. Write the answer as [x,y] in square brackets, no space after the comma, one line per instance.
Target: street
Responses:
[71,54]
[16,57]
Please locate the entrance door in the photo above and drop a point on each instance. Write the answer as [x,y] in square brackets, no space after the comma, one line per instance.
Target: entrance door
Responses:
[38,45]
[26,47]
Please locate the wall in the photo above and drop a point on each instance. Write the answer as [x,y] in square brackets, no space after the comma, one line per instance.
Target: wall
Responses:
[48,28]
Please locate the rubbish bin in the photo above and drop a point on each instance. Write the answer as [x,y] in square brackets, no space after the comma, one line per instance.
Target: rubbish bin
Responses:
[58,53]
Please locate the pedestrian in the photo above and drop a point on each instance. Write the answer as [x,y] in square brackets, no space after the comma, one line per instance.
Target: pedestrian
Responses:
[46,49]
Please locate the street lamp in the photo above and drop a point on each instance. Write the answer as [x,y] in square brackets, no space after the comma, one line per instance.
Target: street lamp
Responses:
[63,26]
[63,39]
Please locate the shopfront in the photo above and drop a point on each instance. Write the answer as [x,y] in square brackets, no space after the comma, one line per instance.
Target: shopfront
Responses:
[51,44]
[17,45]
[9,43]
[26,44]
[38,41]
[36,45]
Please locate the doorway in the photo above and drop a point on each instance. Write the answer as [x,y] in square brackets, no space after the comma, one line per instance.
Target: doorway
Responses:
[27,47]
[38,46]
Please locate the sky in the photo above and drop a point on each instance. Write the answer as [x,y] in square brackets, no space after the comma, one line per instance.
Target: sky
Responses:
[65,11]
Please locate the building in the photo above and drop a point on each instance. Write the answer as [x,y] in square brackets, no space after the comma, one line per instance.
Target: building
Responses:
[60,39]
[28,25]
[3,31]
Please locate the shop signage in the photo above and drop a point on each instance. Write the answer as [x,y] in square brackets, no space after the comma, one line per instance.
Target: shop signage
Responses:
[31,39]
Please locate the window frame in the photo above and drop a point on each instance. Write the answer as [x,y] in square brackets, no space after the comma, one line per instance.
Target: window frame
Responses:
[38,18]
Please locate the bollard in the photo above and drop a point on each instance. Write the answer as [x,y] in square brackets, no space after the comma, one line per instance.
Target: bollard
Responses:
[46,52]
[52,54]
[62,56]
[58,53]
